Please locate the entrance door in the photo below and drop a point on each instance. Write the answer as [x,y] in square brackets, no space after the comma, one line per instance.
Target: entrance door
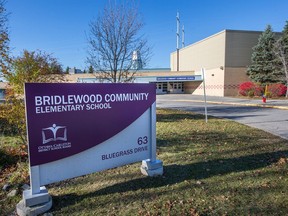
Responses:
[161,88]
[176,87]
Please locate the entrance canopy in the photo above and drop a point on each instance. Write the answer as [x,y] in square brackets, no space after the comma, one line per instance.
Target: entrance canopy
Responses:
[146,79]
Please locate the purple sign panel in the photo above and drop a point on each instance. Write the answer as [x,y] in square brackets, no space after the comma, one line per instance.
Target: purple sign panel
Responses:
[64,119]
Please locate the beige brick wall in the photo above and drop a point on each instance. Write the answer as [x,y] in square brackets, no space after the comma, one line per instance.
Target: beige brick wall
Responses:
[214,82]
[239,46]
[165,73]
[219,82]
[208,53]
[233,78]
[225,56]
[72,78]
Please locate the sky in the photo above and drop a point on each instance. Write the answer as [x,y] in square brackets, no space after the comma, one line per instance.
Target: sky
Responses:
[60,27]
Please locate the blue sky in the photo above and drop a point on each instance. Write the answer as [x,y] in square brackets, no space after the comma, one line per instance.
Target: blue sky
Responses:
[59,27]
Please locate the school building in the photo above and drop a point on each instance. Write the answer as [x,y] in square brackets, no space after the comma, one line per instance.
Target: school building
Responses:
[225,57]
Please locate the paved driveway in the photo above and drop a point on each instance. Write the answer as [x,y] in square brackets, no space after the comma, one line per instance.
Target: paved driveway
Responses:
[244,111]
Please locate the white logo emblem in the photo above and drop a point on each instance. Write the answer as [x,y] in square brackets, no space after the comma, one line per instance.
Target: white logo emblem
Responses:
[54,133]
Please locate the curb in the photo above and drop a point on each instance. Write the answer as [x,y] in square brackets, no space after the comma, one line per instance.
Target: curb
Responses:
[237,104]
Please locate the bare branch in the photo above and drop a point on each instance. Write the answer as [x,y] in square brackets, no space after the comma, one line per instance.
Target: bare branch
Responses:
[113,38]
[279,50]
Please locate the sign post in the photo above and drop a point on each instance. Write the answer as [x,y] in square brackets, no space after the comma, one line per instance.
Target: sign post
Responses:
[152,166]
[78,129]
[205,99]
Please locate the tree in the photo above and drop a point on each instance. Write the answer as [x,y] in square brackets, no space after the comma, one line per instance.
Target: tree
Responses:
[113,38]
[91,69]
[5,59]
[35,66]
[67,70]
[263,68]
[281,52]
[30,67]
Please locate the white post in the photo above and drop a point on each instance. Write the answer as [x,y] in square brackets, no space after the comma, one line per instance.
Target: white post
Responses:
[35,179]
[153,132]
[204,88]
[36,200]
[152,166]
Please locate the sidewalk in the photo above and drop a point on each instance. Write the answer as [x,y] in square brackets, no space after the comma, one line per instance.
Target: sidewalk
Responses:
[270,103]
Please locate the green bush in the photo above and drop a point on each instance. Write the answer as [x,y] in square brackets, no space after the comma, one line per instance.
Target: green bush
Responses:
[250,89]
[6,128]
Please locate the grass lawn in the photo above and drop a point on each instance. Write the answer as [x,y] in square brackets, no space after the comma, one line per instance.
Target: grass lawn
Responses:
[219,168]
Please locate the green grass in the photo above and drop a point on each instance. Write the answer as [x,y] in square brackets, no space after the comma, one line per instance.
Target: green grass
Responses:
[219,168]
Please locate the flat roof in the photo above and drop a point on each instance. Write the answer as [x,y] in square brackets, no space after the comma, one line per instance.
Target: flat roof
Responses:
[146,70]
[224,31]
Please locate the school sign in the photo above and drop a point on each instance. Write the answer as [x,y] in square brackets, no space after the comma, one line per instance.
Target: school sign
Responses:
[77,129]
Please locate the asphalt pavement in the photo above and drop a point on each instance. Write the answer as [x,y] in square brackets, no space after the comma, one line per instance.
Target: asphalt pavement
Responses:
[271,116]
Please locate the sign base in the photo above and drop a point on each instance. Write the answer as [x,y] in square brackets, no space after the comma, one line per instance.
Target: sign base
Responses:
[152,168]
[34,204]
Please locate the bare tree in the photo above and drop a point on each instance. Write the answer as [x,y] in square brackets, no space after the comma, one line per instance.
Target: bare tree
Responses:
[113,37]
[279,50]
[281,53]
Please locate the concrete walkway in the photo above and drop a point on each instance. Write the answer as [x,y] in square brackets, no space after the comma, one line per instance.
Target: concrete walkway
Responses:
[270,103]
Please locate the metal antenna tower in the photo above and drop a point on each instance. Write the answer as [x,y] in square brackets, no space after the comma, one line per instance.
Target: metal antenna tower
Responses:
[183,37]
[177,38]
[177,32]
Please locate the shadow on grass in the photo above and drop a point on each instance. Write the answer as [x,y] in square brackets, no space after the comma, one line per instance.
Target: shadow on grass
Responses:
[174,117]
[179,173]
[204,138]
[227,109]
[7,159]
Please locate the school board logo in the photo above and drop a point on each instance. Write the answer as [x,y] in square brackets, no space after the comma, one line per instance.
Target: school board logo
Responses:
[54,133]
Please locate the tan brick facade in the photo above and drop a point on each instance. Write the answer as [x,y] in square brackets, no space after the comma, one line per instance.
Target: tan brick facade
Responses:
[225,56]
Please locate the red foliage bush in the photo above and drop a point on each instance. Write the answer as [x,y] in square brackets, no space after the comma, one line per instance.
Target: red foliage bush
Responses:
[276,90]
[250,89]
